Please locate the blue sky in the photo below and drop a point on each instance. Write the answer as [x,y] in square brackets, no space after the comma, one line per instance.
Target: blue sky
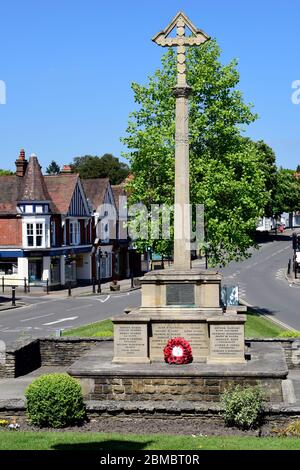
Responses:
[68,66]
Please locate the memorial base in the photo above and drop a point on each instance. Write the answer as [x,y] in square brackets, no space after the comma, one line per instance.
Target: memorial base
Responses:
[160,382]
[180,304]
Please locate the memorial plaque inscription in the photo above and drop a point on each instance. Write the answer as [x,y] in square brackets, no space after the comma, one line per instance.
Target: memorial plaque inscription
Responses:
[181,294]
[227,341]
[131,341]
[195,333]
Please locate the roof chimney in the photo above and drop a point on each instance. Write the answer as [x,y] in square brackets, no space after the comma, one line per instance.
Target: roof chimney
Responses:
[21,164]
[66,170]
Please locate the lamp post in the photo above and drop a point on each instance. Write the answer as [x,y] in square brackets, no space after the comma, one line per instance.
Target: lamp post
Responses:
[99,271]
[100,256]
[130,250]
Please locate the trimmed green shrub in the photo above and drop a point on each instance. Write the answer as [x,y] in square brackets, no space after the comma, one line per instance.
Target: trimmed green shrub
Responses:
[243,407]
[55,400]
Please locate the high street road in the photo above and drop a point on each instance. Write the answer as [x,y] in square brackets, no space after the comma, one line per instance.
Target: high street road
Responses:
[42,316]
[261,280]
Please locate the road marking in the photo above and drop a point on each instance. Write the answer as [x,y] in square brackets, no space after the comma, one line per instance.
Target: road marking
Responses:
[60,321]
[78,308]
[105,299]
[35,318]
[122,295]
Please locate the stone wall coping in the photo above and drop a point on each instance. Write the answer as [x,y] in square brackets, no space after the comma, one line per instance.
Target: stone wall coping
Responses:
[80,373]
[20,344]
[157,407]
[225,319]
[76,339]
[273,340]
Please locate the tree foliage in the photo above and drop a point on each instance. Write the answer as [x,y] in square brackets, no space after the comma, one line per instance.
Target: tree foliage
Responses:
[6,172]
[268,165]
[287,195]
[106,166]
[53,168]
[225,170]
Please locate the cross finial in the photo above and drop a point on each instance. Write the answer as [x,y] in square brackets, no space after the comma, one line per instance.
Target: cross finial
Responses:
[180,22]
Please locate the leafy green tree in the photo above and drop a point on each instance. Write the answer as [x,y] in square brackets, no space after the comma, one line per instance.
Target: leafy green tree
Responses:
[53,168]
[226,172]
[106,166]
[287,196]
[6,172]
[268,165]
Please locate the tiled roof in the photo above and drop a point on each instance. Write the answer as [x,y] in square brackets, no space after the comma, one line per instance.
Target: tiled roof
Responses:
[119,192]
[60,189]
[95,190]
[9,193]
[33,184]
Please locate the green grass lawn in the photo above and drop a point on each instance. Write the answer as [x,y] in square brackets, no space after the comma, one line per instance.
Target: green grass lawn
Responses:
[18,440]
[101,328]
[259,327]
[256,327]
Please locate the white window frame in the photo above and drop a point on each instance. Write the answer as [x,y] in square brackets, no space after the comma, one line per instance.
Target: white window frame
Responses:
[74,232]
[53,233]
[37,229]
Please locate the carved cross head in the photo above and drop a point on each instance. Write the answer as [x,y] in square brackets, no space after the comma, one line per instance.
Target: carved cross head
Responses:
[181,41]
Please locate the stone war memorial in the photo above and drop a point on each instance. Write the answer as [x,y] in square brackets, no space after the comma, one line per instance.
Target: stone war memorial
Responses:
[180,302]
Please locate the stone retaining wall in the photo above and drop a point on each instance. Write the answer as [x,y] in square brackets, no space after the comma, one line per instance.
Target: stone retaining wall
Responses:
[276,415]
[65,351]
[28,355]
[201,389]
[291,347]
[22,359]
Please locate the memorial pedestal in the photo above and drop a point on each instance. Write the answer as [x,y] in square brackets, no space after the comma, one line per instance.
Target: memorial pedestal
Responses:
[183,304]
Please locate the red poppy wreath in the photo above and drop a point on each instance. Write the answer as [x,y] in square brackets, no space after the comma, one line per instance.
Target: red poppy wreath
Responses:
[178,351]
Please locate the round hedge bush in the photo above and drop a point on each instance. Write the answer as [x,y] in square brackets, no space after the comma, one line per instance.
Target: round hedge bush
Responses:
[243,407]
[55,400]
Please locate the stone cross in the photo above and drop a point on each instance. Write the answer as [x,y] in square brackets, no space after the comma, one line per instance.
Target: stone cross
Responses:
[182,219]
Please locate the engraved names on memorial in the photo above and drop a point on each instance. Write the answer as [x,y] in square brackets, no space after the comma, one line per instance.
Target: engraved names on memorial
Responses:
[227,341]
[131,340]
[195,333]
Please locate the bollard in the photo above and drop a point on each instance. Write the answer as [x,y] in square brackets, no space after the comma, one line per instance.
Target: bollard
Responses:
[289,266]
[2,283]
[47,286]
[69,289]
[13,296]
[99,286]
[132,280]
[94,285]
[25,286]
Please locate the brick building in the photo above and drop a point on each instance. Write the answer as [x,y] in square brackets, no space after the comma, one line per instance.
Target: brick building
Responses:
[45,227]
[109,204]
